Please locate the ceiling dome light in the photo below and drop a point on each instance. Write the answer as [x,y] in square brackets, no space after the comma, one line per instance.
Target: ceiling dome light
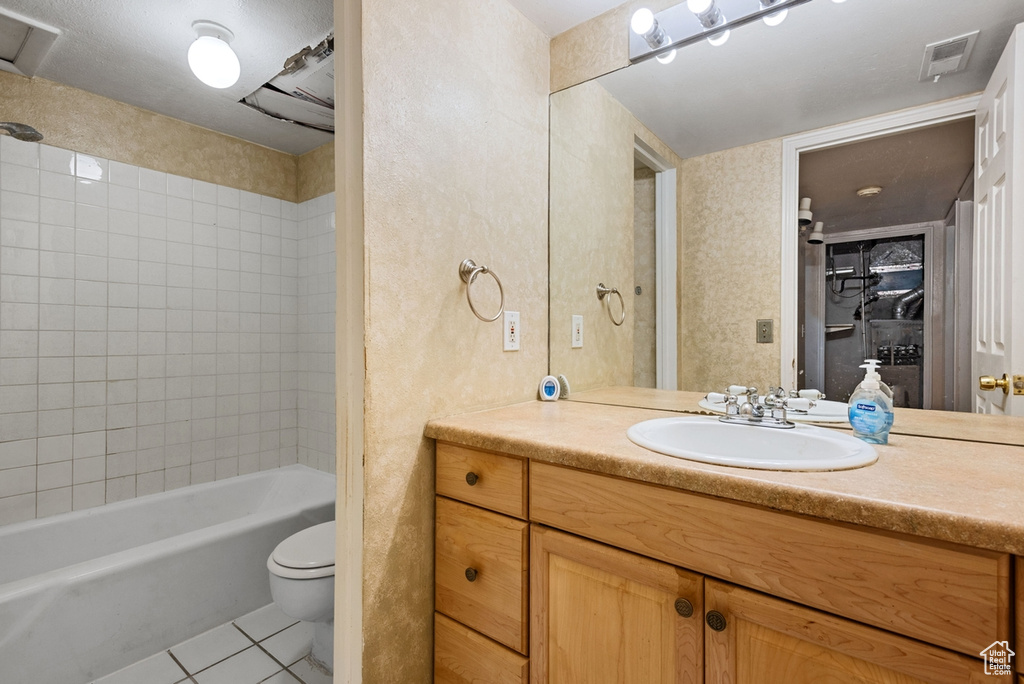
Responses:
[211,58]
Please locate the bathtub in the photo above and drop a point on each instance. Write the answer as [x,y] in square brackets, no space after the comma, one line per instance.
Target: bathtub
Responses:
[84,594]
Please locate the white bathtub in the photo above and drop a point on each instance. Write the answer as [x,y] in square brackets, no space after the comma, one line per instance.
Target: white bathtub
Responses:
[86,593]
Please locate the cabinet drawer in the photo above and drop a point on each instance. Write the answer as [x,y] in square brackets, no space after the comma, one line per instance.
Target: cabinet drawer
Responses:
[495,602]
[461,656]
[499,482]
[944,594]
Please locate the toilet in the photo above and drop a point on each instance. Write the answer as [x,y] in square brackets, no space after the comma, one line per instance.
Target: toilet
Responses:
[302,584]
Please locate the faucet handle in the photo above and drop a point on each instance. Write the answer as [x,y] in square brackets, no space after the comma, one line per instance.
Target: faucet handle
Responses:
[812,394]
[737,389]
[716,397]
[798,404]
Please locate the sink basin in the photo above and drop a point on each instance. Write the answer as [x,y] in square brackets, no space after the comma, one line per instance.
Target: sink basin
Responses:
[803,448]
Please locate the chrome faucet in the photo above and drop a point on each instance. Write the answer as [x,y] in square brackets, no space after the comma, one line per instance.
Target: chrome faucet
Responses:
[769,411]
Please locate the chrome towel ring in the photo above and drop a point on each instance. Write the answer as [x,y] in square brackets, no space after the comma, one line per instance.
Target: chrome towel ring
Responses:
[603,291]
[468,271]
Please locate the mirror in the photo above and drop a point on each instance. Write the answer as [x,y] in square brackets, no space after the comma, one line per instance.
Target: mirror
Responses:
[716,116]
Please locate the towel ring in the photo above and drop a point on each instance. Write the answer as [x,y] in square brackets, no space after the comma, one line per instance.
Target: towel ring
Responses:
[603,291]
[468,271]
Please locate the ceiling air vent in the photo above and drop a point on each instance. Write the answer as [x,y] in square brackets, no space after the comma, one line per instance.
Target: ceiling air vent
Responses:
[947,56]
[24,43]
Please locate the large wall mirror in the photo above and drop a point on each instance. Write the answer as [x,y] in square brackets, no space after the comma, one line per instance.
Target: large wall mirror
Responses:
[667,186]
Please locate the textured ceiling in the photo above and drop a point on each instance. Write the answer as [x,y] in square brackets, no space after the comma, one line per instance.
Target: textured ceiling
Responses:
[134,51]
[920,173]
[827,63]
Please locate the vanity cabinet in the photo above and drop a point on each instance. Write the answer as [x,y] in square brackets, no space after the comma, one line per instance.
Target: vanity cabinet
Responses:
[605,616]
[481,567]
[594,578]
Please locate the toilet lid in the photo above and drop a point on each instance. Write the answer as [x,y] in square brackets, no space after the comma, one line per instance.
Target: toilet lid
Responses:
[312,547]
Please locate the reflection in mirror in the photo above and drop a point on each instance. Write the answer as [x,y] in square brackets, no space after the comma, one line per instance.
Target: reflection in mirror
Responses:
[718,116]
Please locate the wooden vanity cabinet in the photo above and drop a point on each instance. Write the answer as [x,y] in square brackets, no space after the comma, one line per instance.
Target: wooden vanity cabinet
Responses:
[605,616]
[481,568]
[751,638]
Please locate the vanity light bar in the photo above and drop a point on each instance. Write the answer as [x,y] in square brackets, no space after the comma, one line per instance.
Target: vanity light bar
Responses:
[640,51]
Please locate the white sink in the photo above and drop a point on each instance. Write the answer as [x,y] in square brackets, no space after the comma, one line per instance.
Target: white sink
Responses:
[803,447]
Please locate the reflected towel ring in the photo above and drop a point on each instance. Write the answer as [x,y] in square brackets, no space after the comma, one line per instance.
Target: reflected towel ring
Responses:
[602,291]
[468,271]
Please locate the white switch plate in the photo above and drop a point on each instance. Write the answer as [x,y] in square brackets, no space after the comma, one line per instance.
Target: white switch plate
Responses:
[512,332]
[577,332]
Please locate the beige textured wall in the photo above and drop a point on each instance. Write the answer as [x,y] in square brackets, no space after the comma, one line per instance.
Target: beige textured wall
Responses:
[731,203]
[597,46]
[592,142]
[315,173]
[77,120]
[455,166]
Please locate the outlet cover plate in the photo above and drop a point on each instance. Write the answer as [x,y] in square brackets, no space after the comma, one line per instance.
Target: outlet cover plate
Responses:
[765,330]
[511,332]
[577,331]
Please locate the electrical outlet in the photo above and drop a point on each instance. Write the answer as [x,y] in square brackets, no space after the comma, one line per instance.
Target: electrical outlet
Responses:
[764,330]
[512,332]
[577,332]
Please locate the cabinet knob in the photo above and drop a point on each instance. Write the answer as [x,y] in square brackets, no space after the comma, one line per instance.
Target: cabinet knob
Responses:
[715,620]
[684,607]
[471,574]
[472,478]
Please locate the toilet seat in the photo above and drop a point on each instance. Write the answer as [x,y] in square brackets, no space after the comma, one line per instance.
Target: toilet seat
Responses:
[307,554]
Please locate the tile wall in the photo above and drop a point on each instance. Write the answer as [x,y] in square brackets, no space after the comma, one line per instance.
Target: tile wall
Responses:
[149,331]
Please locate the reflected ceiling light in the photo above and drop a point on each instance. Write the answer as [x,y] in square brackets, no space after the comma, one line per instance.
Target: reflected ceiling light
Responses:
[804,216]
[775,18]
[211,58]
[870,191]
[709,17]
[645,25]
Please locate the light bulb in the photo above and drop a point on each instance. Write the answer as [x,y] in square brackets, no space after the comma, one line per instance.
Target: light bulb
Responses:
[667,58]
[719,38]
[775,18]
[699,6]
[838,1]
[211,58]
[642,22]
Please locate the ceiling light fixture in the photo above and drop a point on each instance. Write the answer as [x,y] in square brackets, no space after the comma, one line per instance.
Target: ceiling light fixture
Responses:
[211,58]
[709,16]
[804,215]
[775,18]
[870,191]
[645,25]
[817,235]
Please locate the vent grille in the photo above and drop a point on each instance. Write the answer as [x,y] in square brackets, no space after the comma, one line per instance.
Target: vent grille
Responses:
[947,56]
[24,43]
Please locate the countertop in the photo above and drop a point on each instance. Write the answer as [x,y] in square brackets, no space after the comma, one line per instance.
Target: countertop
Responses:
[944,489]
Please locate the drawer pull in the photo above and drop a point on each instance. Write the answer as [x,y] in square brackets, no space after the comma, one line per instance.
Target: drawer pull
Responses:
[715,620]
[471,574]
[472,478]
[684,607]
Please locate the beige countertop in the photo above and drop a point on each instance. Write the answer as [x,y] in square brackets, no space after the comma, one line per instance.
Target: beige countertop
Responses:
[963,492]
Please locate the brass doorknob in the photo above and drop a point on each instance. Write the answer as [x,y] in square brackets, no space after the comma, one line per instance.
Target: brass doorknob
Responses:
[988,383]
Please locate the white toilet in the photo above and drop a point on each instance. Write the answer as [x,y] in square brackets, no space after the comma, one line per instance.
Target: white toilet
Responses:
[302,584]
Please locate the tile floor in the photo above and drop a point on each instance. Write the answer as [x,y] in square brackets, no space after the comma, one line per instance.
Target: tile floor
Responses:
[263,647]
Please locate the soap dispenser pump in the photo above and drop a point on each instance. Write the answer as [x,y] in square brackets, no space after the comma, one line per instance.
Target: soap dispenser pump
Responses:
[871,369]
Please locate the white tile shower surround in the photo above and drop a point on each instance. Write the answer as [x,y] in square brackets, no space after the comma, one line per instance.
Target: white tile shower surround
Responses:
[265,646]
[155,331]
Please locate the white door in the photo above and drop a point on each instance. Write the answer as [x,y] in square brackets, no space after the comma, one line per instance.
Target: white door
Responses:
[998,316]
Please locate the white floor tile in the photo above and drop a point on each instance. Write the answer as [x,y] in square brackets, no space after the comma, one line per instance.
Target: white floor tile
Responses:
[261,623]
[210,647]
[292,644]
[282,677]
[309,673]
[159,669]
[252,665]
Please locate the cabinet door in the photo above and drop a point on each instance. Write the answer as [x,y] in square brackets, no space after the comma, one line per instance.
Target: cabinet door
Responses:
[757,639]
[602,615]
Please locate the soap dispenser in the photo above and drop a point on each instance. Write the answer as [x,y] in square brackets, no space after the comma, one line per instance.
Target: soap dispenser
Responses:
[872,369]
[870,410]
